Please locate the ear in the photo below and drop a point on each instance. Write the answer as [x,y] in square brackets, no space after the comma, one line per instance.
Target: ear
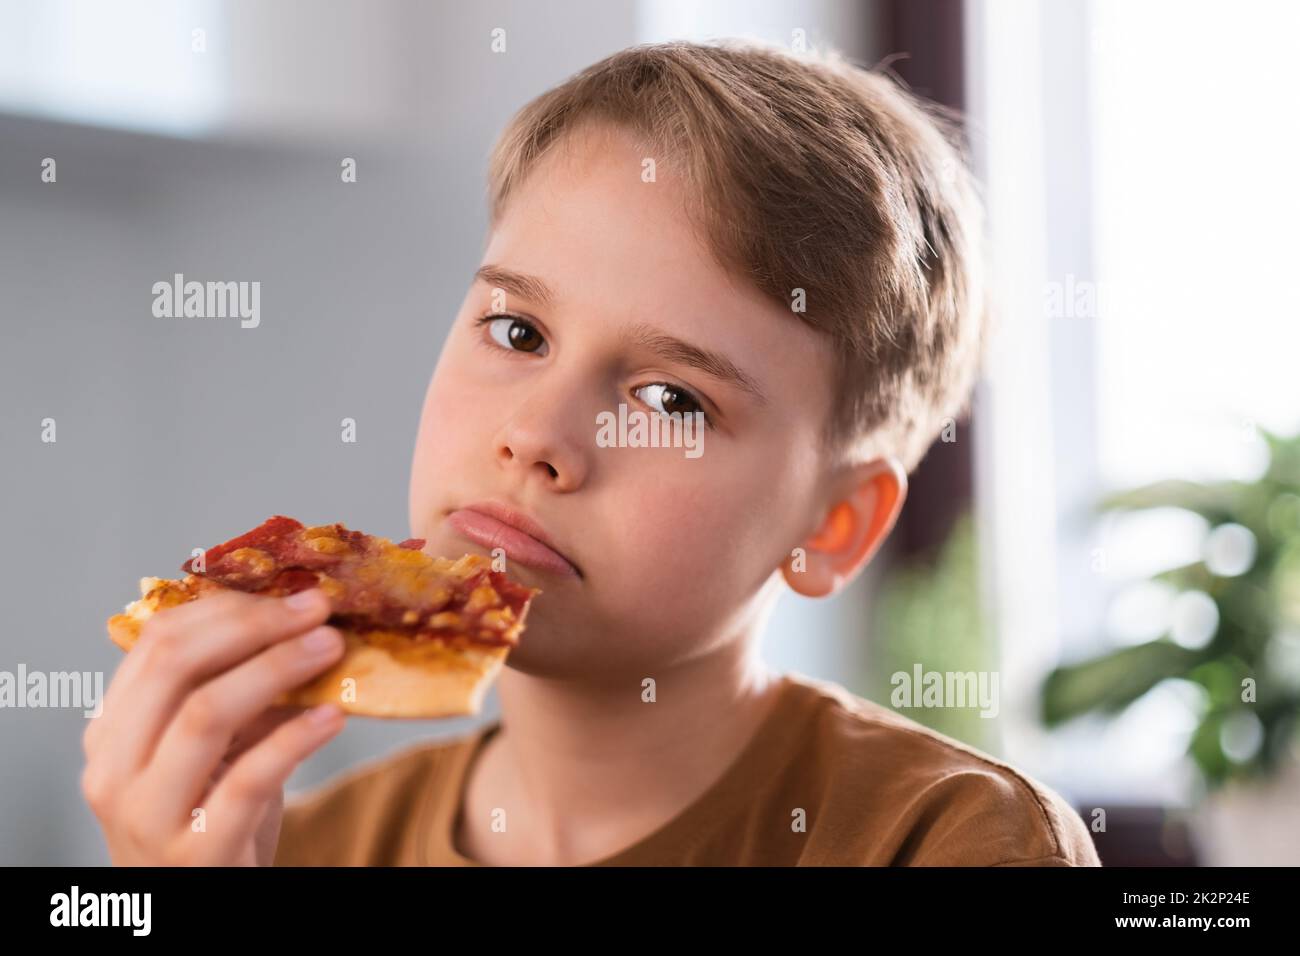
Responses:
[851,532]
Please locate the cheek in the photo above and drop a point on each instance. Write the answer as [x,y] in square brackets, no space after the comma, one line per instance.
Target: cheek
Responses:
[446,420]
[700,535]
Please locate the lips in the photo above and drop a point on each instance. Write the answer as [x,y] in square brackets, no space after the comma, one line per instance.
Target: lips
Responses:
[493,525]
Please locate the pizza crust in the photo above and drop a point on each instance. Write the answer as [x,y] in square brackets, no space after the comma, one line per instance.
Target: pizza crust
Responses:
[384,674]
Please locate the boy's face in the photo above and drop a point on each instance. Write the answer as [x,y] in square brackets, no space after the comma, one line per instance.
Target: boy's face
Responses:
[672,550]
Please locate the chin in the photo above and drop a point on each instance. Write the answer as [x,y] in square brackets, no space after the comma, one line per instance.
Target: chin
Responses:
[535,661]
[563,660]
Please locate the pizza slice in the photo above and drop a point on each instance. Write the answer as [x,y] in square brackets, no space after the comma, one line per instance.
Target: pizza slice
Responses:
[425,636]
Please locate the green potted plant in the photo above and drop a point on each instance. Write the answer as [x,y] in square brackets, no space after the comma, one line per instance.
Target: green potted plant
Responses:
[1246,662]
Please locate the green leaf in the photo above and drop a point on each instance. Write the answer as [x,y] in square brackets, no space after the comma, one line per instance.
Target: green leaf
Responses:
[1215,502]
[1187,577]
[1113,681]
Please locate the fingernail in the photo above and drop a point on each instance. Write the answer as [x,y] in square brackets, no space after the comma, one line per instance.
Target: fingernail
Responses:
[321,639]
[307,600]
[323,714]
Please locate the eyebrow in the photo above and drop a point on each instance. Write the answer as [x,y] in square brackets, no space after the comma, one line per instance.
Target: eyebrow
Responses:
[640,334]
[517,283]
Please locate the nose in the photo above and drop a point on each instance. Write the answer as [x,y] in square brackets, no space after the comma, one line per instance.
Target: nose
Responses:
[543,439]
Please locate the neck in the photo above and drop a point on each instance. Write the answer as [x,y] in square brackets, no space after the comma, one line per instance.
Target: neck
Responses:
[598,767]
[548,720]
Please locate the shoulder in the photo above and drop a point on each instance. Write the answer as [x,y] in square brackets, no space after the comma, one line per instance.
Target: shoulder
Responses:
[360,813]
[926,798]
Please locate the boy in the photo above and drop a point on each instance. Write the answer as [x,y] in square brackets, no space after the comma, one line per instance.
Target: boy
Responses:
[782,250]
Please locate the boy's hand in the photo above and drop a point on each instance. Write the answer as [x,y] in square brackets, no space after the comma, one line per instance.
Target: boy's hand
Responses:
[188,725]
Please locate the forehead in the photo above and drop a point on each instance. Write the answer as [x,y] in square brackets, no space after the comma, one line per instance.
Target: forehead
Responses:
[618,249]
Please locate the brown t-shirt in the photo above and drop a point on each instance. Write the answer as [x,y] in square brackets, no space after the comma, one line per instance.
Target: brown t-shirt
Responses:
[828,779]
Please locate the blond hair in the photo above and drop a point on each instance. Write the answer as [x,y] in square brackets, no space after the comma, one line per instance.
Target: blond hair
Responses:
[809,173]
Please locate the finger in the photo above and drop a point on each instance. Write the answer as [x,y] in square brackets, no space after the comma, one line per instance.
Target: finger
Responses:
[176,658]
[186,618]
[235,807]
[204,729]
[257,731]
[181,647]
[251,735]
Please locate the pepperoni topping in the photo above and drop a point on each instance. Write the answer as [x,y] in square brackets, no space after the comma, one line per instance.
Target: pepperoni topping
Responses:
[372,583]
[269,532]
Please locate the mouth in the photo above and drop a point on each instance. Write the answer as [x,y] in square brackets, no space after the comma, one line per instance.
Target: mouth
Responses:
[494,525]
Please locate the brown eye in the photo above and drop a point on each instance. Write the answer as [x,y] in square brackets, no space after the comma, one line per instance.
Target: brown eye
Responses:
[514,333]
[669,399]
